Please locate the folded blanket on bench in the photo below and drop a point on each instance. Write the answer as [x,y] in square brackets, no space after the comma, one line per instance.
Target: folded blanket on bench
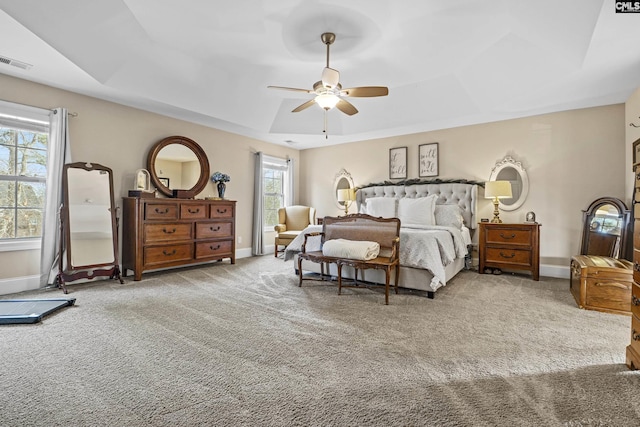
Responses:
[353,249]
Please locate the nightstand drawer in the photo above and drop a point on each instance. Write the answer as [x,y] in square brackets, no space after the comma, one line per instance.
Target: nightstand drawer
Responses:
[520,257]
[510,236]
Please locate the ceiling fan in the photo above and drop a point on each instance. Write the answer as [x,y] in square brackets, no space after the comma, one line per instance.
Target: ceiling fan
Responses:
[329,92]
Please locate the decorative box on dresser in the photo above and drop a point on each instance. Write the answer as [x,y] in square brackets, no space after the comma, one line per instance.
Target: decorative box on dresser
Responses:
[509,247]
[633,350]
[161,233]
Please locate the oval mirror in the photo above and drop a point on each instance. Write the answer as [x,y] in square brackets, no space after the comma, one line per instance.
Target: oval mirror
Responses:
[178,163]
[509,170]
[343,181]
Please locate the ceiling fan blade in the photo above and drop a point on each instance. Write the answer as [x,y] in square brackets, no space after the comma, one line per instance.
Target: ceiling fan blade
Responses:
[366,91]
[346,107]
[306,105]
[330,78]
[294,89]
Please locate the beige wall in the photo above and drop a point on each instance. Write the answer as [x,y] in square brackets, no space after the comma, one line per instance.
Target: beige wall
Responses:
[571,158]
[632,134]
[120,137]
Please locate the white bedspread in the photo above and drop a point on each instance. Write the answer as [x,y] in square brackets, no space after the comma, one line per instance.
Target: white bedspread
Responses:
[431,248]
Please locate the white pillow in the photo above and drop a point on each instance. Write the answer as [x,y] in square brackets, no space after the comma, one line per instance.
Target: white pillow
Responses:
[382,206]
[417,212]
[449,215]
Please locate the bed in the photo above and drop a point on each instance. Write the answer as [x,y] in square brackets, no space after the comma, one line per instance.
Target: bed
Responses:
[434,238]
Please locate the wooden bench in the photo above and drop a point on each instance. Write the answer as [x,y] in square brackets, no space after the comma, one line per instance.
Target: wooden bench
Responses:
[357,227]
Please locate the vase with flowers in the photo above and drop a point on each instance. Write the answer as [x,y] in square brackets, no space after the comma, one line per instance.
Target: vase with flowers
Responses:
[221,179]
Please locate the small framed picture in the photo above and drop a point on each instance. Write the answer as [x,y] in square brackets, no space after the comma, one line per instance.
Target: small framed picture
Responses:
[398,163]
[428,160]
[530,217]
[164,181]
[636,151]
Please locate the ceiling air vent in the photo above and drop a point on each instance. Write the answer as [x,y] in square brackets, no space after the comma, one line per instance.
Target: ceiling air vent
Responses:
[19,64]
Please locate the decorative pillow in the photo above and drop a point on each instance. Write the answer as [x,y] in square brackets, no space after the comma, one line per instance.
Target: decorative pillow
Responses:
[417,212]
[382,206]
[449,215]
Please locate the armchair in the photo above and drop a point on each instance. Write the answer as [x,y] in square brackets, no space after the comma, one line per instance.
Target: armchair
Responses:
[291,221]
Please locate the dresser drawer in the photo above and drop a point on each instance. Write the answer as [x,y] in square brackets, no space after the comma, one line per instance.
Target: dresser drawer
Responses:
[221,211]
[161,211]
[521,257]
[167,232]
[635,334]
[635,300]
[193,211]
[511,236]
[208,230]
[636,236]
[636,265]
[165,254]
[209,249]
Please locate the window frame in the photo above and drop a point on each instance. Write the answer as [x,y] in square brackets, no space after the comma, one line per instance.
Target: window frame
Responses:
[278,164]
[24,117]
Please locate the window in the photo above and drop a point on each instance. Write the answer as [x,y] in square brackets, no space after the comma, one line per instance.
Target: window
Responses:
[275,184]
[23,170]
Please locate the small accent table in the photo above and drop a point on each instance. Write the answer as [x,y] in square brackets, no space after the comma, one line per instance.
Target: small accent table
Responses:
[510,247]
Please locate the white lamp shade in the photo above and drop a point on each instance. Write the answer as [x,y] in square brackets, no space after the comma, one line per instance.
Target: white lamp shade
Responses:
[346,195]
[499,189]
[327,100]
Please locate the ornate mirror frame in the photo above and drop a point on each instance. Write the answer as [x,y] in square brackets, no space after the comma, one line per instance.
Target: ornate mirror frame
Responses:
[507,164]
[342,181]
[625,244]
[88,222]
[191,145]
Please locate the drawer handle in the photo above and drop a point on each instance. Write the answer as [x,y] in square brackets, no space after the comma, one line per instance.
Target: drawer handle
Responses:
[221,211]
[635,336]
[507,256]
[193,212]
[638,176]
[636,266]
[214,229]
[635,300]
[214,249]
[169,231]
[507,237]
[164,251]
[163,211]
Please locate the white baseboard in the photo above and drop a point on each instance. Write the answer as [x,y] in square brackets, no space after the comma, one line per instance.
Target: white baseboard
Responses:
[558,271]
[19,284]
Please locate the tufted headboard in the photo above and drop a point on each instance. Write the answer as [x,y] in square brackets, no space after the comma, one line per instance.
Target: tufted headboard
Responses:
[464,195]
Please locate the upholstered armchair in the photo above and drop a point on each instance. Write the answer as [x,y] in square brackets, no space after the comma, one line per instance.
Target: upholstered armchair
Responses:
[291,221]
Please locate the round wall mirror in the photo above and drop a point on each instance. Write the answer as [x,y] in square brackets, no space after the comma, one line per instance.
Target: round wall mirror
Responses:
[343,181]
[178,163]
[509,170]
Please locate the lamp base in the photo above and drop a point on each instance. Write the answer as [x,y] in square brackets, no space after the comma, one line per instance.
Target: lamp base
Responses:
[496,213]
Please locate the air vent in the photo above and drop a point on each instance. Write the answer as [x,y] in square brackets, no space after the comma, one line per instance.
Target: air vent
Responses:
[15,63]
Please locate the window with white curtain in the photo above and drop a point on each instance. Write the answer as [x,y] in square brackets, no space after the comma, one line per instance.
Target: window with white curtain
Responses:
[24,135]
[275,187]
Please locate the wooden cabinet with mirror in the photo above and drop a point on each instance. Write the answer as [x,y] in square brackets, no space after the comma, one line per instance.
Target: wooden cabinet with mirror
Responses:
[88,224]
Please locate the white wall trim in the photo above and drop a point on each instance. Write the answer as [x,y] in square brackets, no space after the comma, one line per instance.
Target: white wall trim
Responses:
[557,271]
[19,284]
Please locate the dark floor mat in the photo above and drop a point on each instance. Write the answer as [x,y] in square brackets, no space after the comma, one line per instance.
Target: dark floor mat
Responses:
[30,310]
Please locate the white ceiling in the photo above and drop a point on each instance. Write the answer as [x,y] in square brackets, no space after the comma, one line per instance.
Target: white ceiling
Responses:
[446,62]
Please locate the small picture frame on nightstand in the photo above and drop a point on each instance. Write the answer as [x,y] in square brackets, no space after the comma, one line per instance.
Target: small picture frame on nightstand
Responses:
[530,217]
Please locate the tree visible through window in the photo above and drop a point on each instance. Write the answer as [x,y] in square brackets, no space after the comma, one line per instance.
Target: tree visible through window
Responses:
[23,172]
[275,188]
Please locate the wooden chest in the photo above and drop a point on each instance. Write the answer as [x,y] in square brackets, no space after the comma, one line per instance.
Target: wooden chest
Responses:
[602,283]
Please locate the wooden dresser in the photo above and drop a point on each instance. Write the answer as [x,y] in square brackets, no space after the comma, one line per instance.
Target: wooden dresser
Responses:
[161,233]
[633,350]
[509,247]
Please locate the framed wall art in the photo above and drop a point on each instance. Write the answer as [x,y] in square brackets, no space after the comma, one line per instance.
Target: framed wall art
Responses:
[428,160]
[398,163]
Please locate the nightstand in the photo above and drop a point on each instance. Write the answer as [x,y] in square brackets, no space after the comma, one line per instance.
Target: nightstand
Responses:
[509,247]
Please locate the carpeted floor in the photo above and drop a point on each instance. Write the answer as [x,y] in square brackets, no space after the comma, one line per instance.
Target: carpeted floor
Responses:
[227,345]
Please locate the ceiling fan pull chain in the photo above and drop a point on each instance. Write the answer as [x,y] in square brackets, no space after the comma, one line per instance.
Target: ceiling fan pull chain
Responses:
[326,134]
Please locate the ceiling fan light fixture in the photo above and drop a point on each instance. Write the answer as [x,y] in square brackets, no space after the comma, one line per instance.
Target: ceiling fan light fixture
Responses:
[327,100]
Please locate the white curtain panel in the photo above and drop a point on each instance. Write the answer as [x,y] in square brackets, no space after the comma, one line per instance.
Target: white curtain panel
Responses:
[257,246]
[58,154]
[290,194]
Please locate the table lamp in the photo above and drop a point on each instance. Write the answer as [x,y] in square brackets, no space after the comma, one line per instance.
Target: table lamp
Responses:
[497,190]
[346,196]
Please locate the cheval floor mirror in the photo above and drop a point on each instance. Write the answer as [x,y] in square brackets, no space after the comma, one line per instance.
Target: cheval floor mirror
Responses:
[88,225]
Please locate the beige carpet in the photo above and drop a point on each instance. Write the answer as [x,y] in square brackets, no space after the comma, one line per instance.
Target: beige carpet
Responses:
[242,345]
